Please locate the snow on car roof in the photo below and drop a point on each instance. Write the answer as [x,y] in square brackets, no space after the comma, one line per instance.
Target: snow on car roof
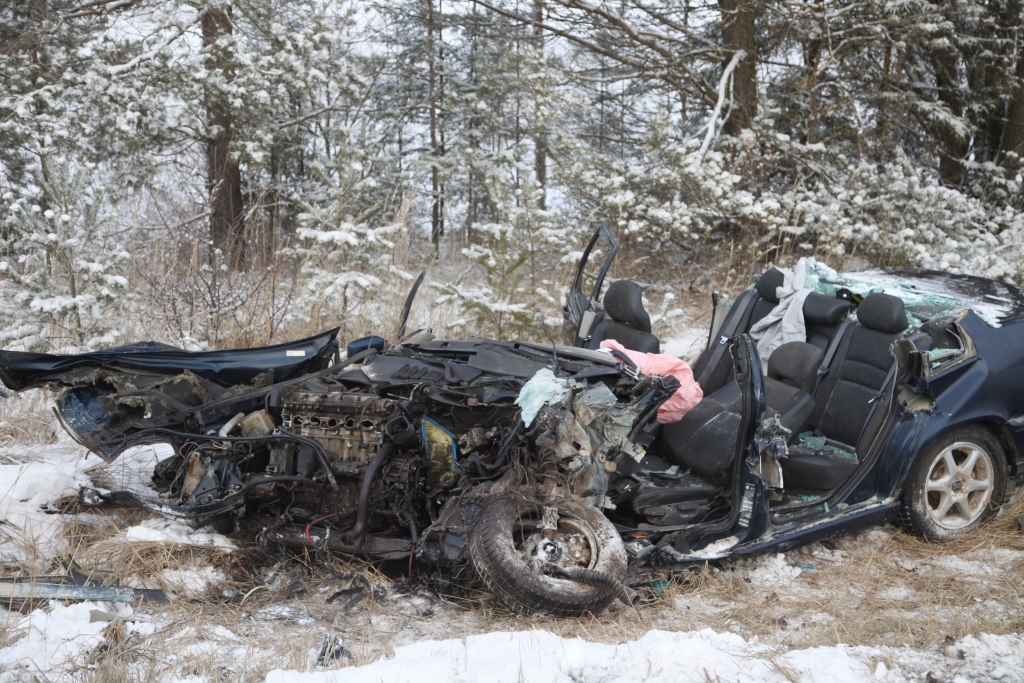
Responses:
[929,294]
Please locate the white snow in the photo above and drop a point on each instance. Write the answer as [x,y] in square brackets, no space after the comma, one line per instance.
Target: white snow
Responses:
[53,639]
[38,478]
[191,581]
[687,345]
[543,657]
[161,530]
[132,470]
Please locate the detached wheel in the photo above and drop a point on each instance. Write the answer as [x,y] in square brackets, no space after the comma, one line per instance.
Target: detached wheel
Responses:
[526,553]
[956,484]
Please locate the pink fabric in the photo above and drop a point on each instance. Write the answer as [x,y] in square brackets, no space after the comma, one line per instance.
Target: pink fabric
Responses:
[687,395]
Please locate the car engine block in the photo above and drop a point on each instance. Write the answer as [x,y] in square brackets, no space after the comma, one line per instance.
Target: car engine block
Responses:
[348,425]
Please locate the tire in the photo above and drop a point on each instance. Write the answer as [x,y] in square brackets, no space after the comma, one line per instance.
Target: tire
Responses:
[500,547]
[957,482]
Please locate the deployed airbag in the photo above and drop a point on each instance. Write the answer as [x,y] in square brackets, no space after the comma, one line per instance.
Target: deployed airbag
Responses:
[685,397]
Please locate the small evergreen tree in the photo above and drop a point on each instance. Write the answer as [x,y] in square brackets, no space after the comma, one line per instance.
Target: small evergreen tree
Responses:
[65,286]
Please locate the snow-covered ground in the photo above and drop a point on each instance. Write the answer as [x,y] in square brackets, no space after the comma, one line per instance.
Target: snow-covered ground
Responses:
[874,606]
[663,656]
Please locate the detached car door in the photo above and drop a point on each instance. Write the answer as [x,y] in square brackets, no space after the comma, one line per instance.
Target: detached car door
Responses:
[583,310]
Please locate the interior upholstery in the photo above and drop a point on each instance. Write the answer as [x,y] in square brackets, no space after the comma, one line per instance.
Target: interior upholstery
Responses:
[823,318]
[626,320]
[768,283]
[623,302]
[822,470]
[794,406]
[714,373]
[859,369]
[704,440]
[796,364]
[846,409]
[825,310]
[883,312]
[766,287]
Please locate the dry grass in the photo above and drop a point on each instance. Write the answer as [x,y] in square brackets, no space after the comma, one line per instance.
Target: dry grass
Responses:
[26,418]
[878,587]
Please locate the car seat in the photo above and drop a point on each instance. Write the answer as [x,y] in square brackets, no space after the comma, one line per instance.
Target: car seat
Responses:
[846,401]
[823,318]
[626,320]
[704,440]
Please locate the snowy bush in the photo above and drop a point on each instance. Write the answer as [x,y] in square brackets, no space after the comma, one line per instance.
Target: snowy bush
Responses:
[64,286]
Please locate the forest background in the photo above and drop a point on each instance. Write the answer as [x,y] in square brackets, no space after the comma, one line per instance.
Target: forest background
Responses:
[213,174]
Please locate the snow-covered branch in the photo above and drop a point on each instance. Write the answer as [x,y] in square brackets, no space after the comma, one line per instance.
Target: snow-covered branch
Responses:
[723,84]
[118,69]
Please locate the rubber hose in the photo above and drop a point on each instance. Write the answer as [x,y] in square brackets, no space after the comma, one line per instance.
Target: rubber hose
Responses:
[362,509]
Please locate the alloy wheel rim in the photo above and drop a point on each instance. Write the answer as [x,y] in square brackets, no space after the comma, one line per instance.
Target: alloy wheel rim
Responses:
[959,485]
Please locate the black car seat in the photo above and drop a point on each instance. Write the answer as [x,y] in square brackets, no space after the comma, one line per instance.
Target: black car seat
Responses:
[704,440]
[846,400]
[626,320]
[713,368]
[824,318]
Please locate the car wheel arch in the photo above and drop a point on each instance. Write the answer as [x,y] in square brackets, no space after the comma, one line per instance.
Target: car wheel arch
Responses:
[1002,434]
[994,425]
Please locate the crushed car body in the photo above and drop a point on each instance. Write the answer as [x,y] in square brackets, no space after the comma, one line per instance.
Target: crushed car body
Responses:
[544,468]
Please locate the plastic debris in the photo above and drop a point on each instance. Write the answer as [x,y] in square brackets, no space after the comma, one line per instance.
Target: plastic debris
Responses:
[332,650]
[99,615]
[542,388]
[54,591]
[77,584]
[805,567]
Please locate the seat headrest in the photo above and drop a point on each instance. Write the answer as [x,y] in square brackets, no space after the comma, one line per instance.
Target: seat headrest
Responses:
[882,312]
[772,279]
[623,303]
[824,309]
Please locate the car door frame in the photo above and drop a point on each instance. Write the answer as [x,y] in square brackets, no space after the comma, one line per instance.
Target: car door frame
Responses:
[574,310]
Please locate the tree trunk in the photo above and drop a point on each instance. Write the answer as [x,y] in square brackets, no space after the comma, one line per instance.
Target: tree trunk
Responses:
[437,205]
[738,18]
[540,139]
[954,147]
[812,57]
[1013,133]
[223,176]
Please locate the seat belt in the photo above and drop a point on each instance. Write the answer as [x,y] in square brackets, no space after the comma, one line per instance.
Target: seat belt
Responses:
[885,383]
[826,363]
[874,399]
[728,330]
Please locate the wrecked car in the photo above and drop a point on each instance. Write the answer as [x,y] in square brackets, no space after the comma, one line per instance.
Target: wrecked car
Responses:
[409,452]
[544,468]
[899,401]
